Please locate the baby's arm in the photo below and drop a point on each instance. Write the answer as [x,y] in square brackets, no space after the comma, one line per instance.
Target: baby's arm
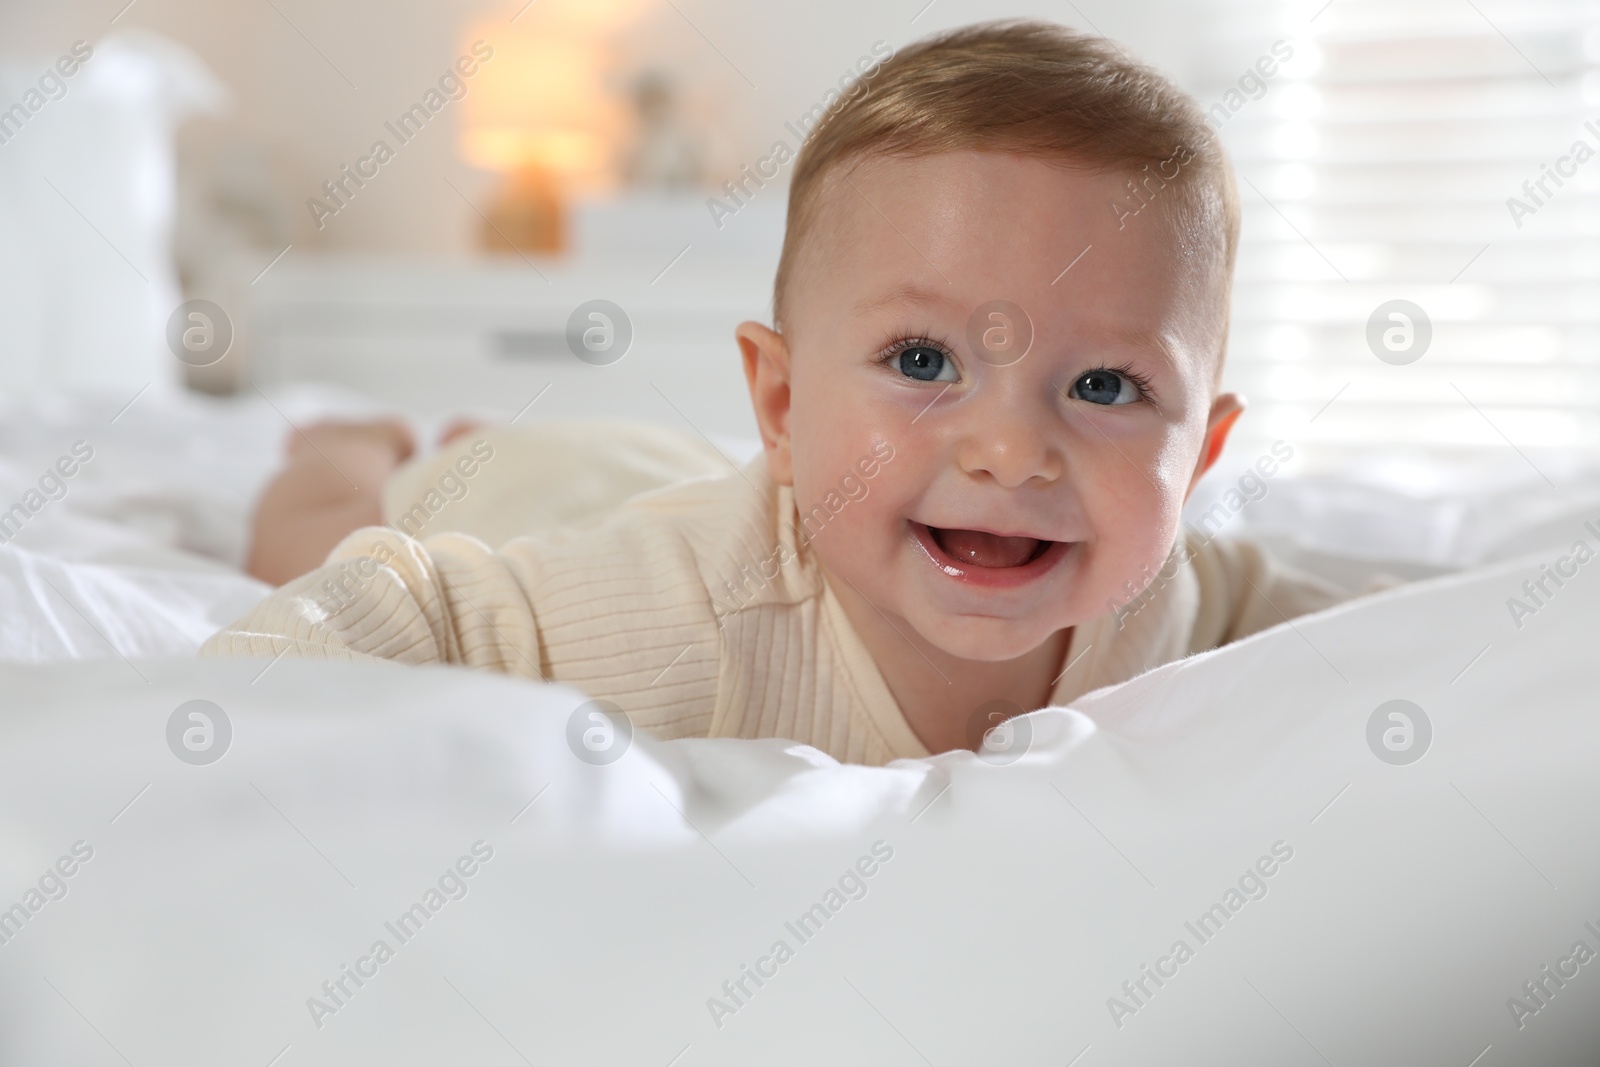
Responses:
[620,611]
[386,596]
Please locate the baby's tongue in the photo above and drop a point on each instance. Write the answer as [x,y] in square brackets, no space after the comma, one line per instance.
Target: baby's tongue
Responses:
[986,549]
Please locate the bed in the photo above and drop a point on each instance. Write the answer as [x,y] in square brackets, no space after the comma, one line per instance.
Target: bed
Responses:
[1022,906]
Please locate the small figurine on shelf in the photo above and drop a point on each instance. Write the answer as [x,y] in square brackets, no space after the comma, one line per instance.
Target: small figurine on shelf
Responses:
[665,154]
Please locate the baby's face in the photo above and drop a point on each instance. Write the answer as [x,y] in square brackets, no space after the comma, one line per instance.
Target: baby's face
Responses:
[1021,493]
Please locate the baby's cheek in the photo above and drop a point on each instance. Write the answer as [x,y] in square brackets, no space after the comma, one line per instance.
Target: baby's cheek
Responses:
[1149,514]
[1132,554]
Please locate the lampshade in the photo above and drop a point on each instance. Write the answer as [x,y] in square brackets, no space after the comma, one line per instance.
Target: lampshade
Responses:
[544,101]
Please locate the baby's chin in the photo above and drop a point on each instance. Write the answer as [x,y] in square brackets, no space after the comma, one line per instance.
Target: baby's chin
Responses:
[984,639]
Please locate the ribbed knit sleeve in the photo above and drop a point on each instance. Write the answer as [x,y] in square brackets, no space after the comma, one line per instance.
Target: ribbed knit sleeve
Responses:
[619,610]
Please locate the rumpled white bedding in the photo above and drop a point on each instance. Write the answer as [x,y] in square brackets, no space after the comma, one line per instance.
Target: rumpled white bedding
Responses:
[1405,908]
[1419,904]
[139,554]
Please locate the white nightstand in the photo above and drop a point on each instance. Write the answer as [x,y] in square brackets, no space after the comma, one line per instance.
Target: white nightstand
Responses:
[432,336]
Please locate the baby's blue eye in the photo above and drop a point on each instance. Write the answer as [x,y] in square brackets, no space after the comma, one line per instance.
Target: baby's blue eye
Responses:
[926,364]
[1105,387]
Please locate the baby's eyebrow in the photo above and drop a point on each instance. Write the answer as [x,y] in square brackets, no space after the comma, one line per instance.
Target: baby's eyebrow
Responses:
[1159,346]
[1151,343]
[904,293]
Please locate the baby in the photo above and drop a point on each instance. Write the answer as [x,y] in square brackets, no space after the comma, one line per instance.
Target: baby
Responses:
[991,382]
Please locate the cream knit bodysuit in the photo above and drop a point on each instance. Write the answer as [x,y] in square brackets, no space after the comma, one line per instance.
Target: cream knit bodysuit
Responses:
[698,611]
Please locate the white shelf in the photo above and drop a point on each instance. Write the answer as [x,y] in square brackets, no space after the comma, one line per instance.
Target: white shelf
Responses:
[434,336]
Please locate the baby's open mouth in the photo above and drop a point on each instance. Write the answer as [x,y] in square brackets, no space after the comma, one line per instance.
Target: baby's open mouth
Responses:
[981,549]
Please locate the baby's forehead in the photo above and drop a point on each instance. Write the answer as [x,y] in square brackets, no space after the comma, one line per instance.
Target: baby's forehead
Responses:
[937,233]
[947,208]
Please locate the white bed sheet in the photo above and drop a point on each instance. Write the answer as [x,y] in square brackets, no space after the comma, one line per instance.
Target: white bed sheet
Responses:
[1019,898]
[140,555]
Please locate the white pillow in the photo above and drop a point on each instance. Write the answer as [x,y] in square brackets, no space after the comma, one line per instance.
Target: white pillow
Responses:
[1004,917]
[87,197]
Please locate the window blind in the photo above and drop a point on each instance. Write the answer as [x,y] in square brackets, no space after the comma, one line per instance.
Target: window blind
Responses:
[1404,152]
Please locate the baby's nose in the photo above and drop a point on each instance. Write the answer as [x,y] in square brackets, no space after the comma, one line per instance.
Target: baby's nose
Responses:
[1012,451]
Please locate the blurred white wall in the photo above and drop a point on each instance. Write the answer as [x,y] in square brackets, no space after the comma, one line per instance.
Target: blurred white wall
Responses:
[315,79]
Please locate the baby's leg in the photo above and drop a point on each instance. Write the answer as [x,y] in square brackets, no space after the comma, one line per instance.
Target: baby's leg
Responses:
[332,485]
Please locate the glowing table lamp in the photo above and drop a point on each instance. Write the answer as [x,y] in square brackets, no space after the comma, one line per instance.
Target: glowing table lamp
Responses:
[542,116]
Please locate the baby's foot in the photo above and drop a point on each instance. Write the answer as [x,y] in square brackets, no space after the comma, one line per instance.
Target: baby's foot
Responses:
[379,440]
[459,428]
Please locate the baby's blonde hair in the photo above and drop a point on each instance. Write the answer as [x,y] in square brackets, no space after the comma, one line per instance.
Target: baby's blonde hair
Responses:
[1032,88]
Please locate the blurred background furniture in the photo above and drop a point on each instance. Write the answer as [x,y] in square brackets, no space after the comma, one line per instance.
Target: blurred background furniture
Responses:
[1380,148]
[428,335]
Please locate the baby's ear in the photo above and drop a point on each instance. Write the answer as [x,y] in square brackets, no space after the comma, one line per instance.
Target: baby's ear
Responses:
[766,370]
[1225,411]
